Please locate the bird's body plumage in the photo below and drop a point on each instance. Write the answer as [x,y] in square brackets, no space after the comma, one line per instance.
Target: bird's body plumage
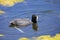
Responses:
[21,22]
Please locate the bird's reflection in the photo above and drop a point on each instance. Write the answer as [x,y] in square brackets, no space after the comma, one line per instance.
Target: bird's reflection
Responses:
[35,26]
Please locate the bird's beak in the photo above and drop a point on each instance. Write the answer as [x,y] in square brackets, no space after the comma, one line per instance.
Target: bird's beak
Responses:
[37,18]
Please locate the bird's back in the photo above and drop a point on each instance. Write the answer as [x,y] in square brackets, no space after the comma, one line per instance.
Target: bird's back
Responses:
[22,21]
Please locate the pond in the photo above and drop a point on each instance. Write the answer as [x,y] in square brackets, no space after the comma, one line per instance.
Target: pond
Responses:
[48,19]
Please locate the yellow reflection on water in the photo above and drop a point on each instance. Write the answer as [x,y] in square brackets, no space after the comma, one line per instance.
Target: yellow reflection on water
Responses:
[1,35]
[1,12]
[9,3]
[43,37]
[24,38]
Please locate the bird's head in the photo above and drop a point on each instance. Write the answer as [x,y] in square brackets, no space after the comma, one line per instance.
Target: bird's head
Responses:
[34,18]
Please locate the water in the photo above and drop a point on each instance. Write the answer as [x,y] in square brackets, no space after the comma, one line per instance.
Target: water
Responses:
[48,21]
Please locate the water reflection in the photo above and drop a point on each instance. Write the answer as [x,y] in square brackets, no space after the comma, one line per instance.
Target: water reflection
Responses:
[35,26]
